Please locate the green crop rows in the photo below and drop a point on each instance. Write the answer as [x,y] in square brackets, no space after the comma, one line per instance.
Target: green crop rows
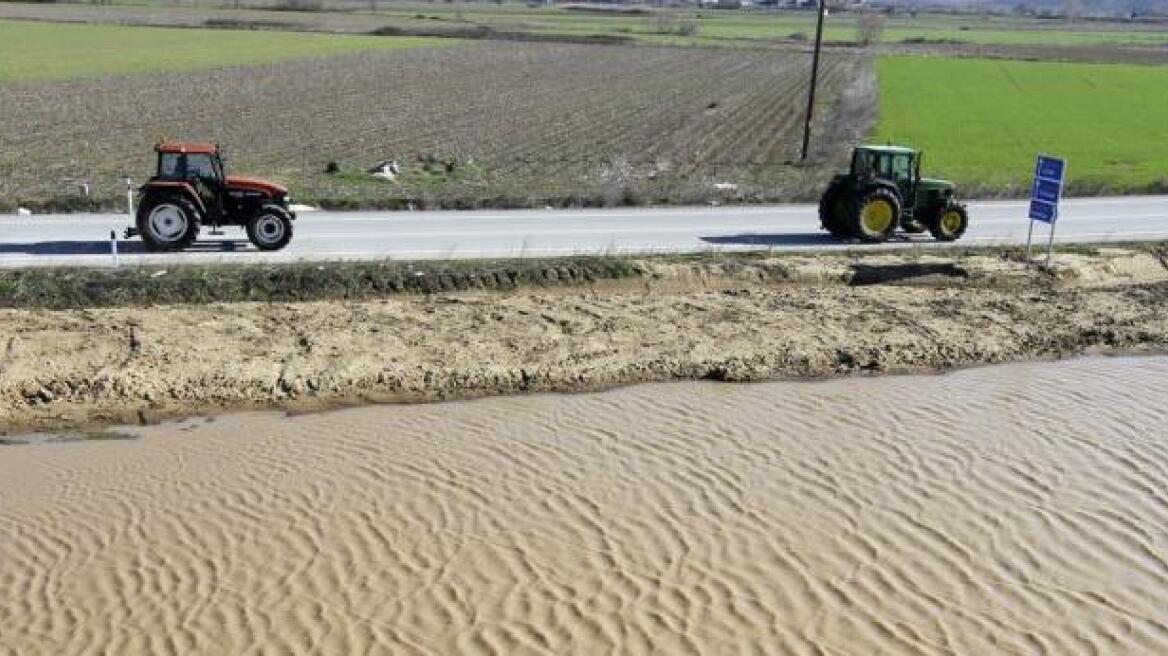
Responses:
[89,50]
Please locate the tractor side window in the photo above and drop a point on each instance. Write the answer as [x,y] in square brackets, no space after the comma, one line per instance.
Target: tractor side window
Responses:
[200,166]
[168,165]
[901,169]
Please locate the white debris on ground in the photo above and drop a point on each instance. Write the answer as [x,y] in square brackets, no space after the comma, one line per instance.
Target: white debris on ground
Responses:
[303,208]
[725,186]
[20,211]
[388,169]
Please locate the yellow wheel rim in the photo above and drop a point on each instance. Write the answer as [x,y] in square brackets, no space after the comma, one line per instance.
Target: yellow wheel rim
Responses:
[951,222]
[876,217]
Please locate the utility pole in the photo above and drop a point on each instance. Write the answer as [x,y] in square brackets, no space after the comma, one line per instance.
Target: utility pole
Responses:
[814,79]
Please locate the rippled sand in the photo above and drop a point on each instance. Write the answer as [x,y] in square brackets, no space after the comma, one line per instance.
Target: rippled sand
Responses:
[1009,510]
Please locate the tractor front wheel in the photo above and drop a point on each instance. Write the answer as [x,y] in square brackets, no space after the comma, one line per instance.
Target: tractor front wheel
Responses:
[167,223]
[875,215]
[949,224]
[270,229]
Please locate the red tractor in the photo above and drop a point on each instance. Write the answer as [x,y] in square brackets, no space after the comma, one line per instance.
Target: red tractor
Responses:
[190,190]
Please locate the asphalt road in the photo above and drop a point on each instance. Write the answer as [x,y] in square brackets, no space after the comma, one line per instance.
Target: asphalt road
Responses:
[83,239]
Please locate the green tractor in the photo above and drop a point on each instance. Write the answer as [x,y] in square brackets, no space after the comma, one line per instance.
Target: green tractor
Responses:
[884,189]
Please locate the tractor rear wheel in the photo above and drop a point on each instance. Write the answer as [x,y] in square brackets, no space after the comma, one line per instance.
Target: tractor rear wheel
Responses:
[949,224]
[270,229]
[875,215]
[833,213]
[167,223]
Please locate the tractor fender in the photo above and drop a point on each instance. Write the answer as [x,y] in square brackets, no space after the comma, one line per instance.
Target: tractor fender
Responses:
[185,189]
[936,210]
[866,188]
[269,206]
[881,184]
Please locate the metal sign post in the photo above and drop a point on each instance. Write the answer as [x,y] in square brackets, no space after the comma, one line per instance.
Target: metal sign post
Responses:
[1049,175]
[1029,238]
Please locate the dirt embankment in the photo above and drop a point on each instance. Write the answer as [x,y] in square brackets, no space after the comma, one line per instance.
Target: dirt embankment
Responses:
[717,318]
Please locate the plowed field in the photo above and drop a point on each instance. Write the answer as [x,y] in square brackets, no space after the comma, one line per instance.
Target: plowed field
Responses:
[481,124]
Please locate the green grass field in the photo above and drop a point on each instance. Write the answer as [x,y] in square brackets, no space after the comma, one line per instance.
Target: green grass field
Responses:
[685,27]
[51,51]
[981,122]
[715,26]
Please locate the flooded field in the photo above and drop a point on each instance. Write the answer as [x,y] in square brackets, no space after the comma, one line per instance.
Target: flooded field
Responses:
[1018,509]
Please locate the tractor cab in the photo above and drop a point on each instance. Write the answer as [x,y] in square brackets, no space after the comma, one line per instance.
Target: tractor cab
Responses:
[899,166]
[189,161]
[198,165]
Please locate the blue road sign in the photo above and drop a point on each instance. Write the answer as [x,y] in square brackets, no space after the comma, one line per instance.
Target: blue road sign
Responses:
[1051,168]
[1043,211]
[1049,176]
[1046,190]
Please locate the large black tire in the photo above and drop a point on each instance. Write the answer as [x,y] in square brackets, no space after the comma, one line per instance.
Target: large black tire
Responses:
[270,229]
[950,223]
[167,222]
[874,215]
[833,212]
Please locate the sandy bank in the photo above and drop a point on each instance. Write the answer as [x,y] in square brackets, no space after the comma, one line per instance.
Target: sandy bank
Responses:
[724,319]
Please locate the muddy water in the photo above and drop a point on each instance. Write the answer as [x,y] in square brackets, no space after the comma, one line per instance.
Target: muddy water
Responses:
[1019,509]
